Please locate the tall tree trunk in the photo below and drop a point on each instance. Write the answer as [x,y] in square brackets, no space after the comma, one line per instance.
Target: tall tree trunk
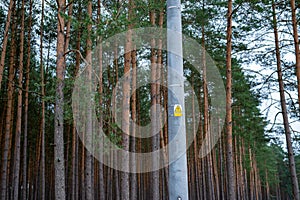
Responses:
[16,171]
[59,160]
[296,43]
[159,68]
[100,91]
[115,173]
[8,120]
[75,152]
[24,184]
[5,38]
[196,156]
[284,110]
[230,170]
[74,188]
[42,169]
[126,112]
[133,194]
[154,122]
[133,176]
[206,131]
[88,136]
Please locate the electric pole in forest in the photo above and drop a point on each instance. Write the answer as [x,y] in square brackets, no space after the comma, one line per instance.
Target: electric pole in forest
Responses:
[178,182]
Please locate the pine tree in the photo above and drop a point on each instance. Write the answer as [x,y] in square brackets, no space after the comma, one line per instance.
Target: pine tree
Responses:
[284,109]
[60,192]
[5,39]
[230,167]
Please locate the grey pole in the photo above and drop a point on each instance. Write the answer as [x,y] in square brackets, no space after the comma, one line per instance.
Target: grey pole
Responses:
[178,181]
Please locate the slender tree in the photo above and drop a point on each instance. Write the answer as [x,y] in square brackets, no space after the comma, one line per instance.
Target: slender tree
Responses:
[230,169]
[125,113]
[25,144]
[154,122]
[88,137]
[8,120]
[5,39]
[296,43]
[42,168]
[59,160]
[291,158]
[133,181]
[17,153]
[100,91]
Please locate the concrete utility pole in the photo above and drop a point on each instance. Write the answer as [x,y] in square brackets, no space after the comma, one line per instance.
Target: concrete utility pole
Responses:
[178,181]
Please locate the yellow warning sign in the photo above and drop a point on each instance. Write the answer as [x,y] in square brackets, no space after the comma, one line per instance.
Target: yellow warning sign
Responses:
[177,110]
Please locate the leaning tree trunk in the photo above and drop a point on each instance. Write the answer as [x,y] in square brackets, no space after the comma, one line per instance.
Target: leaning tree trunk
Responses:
[59,160]
[284,109]
[296,43]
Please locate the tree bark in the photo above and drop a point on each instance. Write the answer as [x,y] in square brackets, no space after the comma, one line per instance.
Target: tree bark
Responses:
[154,121]
[24,184]
[102,192]
[5,39]
[42,169]
[68,25]
[296,43]
[88,136]
[230,167]
[75,152]
[59,160]
[8,120]
[125,114]
[17,152]
[284,110]
[75,160]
